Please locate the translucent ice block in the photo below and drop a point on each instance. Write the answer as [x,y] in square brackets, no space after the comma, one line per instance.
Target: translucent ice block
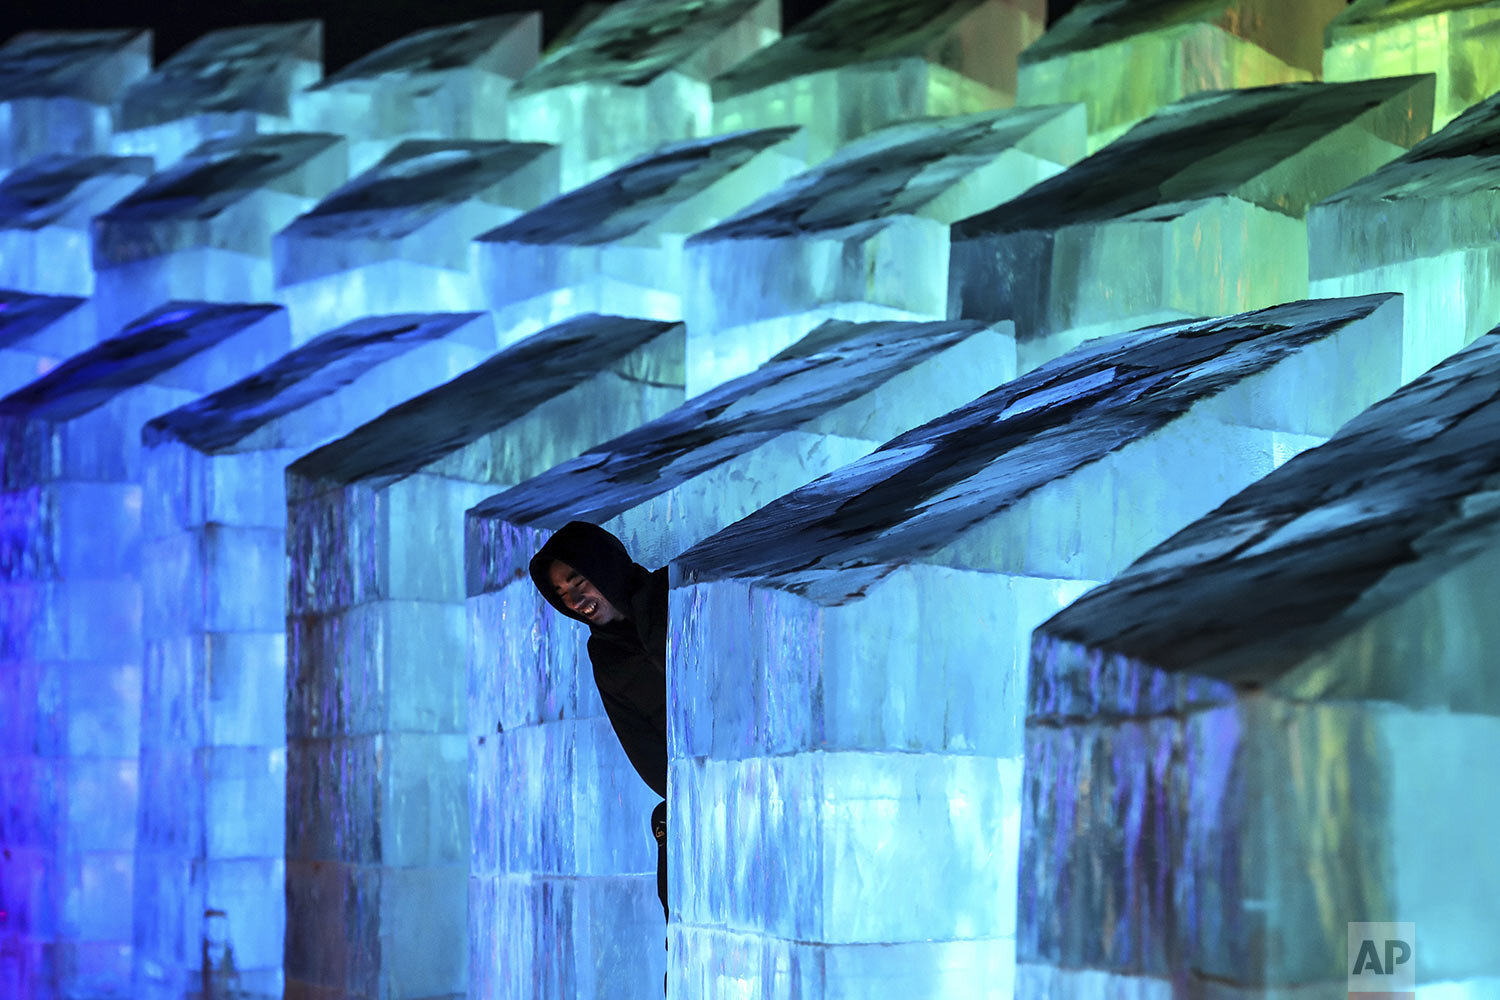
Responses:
[39,331]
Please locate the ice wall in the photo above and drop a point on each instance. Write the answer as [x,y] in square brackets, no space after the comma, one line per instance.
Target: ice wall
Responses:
[440,83]
[862,236]
[396,238]
[1200,210]
[633,78]
[202,229]
[615,246]
[858,65]
[1279,721]
[378,896]
[58,88]
[213,708]
[236,82]
[563,865]
[1125,59]
[39,331]
[846,670]
[71,641]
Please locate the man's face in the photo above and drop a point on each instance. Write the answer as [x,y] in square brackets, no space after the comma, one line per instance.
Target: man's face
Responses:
[580,596]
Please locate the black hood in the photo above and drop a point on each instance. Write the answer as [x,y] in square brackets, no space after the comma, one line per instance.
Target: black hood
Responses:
[599,557]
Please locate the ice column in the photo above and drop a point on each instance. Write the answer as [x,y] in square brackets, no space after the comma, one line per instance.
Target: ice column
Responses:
[202,229]
[857,65]
[635,77]
[212,824]
[563,864]
[863,236]
[1278,722]
[614,246]
[235,82]
[396,238]
[846,669]
[58,88]
[45,210]
[39,331]
[1200,210]
[1125,59]
[439,83]
[70,635]
[377,889]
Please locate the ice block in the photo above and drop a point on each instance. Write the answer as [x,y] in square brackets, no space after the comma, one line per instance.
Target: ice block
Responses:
[38,331]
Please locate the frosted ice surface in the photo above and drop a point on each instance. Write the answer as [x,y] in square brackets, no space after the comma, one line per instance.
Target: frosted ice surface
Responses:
[396,238]
[57,89]
[861,234]
[634,77]
[1197,211]
[39,331]
[45,210]
[1127,58]
[857,65]
[1315,652]
[615,245]
[448,82]
[232,82]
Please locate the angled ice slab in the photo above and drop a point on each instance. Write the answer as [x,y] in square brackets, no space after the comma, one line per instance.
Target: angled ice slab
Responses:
[39,331]
[857,65]
[45,210]
[396,238]
[862,236]
[847,665]
[1126,59]
[579,833]
[1423,225]
[213,704]
[70,634]
[375,686]
[58,88]
[1278,721]
[439,83]
[614,246]
[1199,210]
[633,78]
[231,82]
[203,228]
[1458,40]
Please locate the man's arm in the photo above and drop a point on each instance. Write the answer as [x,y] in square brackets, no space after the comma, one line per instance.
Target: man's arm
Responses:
[646,748]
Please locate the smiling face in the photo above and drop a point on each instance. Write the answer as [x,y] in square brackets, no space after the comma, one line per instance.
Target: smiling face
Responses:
[581,597]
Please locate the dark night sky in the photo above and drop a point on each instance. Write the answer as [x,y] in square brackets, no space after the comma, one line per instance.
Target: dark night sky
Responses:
[350,27]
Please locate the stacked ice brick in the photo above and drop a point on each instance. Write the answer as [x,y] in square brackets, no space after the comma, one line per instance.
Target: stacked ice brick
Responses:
[70,682]
[378,900]
[561,856]
[213,750]
[847,665]
[39,331]
[1280,721]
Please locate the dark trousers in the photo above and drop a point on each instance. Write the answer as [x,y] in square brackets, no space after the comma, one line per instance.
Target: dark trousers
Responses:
[659,831]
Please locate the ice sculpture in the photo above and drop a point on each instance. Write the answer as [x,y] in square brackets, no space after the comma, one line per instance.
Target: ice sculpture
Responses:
[39,331]
[858,65]
[396,238]
[71,640]
[633,78]
[1279,721]
[439,83]
[235,82]
[863,236]
[561,847]
[1423,225]
[378,888]
[203,228]
[614,246]
[58,88]
[1125,59]
[1458,40]
[846,671]
[214,551]
[45,210]
[1199,210]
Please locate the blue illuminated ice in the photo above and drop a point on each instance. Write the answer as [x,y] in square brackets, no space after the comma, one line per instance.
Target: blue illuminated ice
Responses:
[396,238]
[846,673]
[37,332]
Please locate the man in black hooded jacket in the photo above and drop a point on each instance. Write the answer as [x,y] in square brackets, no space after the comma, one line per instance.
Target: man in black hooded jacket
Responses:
[585,573]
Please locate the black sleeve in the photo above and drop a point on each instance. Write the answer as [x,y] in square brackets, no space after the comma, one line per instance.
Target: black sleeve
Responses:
[643,744]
